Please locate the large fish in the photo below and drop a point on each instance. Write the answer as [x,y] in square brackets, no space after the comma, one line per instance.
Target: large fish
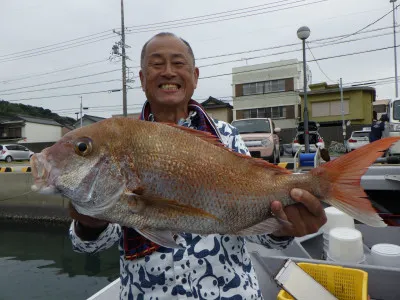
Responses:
[162,179]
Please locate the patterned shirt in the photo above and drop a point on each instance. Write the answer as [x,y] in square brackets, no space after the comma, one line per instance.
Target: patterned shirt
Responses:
[208,266]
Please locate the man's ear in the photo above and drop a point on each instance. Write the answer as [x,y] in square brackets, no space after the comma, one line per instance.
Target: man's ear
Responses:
[142,80]
[196,76]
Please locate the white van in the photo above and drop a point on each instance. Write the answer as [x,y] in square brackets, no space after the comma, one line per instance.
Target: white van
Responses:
[393,126]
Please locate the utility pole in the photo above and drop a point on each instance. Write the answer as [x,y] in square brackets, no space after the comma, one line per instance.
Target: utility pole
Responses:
[81,109]
[115,52]
[124,96]
[342,107]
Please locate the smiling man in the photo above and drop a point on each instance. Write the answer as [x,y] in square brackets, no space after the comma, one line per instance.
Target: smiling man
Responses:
[207,266]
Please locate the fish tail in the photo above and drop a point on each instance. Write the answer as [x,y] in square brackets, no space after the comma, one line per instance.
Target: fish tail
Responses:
[344,175]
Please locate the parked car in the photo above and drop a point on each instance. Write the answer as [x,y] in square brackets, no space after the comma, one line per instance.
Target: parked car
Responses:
[260,137]
[315,139]
[10,152]
[357,139]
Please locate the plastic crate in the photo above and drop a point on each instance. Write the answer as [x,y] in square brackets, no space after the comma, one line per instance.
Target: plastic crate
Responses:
[343,283]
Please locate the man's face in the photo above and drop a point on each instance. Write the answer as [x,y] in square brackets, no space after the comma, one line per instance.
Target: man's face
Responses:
[168,75]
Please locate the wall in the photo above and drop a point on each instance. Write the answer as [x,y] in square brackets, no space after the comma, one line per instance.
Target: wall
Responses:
[222,114]
[24,205]
[360,106]
[38,133]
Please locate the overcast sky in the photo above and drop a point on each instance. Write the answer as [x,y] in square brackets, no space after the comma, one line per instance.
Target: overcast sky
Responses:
[82,30]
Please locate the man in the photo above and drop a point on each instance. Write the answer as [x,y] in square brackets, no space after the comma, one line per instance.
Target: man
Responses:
[209,266]
[377,128]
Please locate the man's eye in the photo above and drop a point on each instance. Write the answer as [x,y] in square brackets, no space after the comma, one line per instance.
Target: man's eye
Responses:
[179,63]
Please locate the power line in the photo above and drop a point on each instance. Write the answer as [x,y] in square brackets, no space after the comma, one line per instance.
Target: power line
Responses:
[291,64]
[65,95]
[42,52]
[186,24]
[61,87]
[68,79]
[52,72]
[52,45]
[318,64]
[370,24]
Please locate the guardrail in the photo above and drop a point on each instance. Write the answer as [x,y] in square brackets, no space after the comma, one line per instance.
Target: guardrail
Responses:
[11,169]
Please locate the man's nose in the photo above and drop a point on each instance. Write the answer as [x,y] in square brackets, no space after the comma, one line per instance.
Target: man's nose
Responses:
[169,70]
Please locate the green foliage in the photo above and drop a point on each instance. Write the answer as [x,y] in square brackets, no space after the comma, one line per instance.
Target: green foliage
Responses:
[13,109]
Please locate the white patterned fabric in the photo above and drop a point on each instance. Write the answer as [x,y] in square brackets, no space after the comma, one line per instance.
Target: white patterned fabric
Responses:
[208,266]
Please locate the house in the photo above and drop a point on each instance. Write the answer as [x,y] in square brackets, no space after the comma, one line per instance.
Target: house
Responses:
[325,107]
[269,90]
[33,132]
[218,109]
[87,120]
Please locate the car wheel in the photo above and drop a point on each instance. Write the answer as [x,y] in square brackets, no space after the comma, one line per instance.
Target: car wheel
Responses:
[9,159]
[272,160]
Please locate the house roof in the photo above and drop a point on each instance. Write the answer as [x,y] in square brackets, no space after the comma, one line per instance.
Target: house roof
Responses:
[323,88]
[212,102]
[92,118]
[37,120]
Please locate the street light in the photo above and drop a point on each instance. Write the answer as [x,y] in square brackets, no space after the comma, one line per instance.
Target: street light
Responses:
[395,49]
[303,33]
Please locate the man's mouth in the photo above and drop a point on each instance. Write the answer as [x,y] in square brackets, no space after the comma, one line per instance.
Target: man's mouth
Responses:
[169,86]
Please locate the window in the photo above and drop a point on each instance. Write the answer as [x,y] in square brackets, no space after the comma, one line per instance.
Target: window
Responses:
[277,112]
[396,110]
[329,108]
[264,87]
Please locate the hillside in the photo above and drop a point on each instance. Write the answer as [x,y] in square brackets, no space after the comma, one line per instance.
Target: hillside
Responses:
[12,109]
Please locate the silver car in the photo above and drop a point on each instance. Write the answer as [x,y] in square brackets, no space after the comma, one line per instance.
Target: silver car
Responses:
[10,152]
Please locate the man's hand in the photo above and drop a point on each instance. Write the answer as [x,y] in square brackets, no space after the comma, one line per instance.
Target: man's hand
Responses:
[306,217]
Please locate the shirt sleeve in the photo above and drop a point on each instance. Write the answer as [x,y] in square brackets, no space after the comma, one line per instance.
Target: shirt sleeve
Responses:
[105,240]
[233,140]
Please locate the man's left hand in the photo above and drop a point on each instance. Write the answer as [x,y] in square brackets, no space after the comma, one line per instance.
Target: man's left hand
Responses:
[305,217]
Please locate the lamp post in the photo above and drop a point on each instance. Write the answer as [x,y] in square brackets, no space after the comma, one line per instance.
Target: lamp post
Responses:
[395,49]
[303,33]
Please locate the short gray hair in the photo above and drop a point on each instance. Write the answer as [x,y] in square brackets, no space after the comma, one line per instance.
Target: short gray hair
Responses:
[161,34]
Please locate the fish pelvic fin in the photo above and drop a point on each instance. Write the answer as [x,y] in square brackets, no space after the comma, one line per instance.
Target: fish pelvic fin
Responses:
[344,174]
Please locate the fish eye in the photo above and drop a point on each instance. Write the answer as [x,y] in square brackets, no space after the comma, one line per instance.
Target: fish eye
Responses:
[83,146]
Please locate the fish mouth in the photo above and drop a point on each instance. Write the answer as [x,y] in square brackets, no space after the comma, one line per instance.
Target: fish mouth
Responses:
[41,174]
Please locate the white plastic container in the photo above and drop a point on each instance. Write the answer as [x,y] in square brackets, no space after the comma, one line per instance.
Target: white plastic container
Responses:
[335,218]
[387,255]
[346,245]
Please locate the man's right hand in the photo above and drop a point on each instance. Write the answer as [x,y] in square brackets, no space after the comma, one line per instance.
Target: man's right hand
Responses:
[87,228]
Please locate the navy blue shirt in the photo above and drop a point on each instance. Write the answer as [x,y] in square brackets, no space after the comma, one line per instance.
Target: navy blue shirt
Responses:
[377,128]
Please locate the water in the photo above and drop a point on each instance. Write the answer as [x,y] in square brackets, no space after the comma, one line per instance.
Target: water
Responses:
[37,262]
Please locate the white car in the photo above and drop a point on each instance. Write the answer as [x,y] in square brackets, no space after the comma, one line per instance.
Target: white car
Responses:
[10,152]
[357,139]
[315,142]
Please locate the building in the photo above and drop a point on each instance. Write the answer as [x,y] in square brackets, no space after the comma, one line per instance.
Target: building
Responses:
[87,120]
[218,109]
[381,107]
[33,132]
[269,90]
[324,106]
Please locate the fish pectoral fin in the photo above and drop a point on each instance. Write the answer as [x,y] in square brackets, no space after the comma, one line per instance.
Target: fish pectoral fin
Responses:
[176,208]
[162,238]
[269,225]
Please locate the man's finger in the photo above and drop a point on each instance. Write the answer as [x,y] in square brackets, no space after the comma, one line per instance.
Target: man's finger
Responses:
[277,211]
[312,203]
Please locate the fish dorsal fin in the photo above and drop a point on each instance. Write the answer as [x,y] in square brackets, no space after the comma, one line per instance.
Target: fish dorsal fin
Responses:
[210,138]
